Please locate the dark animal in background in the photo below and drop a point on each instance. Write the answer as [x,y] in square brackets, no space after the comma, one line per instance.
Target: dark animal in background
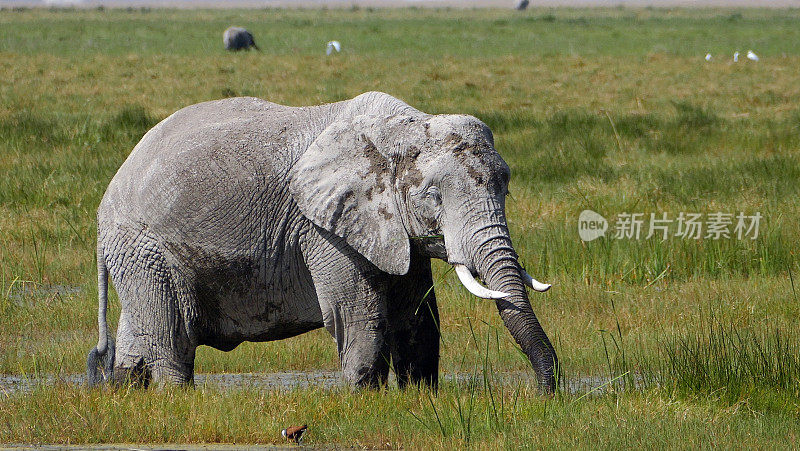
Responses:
[521,5]
[237,38]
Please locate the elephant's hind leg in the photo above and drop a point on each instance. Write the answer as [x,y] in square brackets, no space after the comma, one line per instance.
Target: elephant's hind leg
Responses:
[152,341]
[414,326]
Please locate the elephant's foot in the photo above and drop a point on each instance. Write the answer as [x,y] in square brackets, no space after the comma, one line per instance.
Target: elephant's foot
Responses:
[365,362]
[367,376]
[172,374]
[416,375]
[161,372]
[132,375]
[141,362]
[416,361]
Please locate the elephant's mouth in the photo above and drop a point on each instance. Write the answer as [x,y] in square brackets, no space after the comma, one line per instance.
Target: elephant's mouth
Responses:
[473,286]
[434,246]
[431,245]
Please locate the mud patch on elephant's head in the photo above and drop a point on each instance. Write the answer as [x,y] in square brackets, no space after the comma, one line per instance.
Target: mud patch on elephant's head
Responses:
[453,137]
[379,187]
[476,175]
[480,160]
[378,165]
[413,152]
[408,173]
[385,212]
[377,162]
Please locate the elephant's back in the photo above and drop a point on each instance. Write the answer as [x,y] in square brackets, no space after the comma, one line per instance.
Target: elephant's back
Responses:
[210,161]
[205,167]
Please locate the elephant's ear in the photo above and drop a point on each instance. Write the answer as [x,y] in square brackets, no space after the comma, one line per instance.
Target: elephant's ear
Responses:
[344,184]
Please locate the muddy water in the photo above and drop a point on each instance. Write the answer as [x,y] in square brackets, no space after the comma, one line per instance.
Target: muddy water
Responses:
[13,384]
[22,293]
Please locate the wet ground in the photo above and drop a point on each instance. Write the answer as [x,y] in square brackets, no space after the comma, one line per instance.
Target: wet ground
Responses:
[14,384]
[11,385]
[22,293]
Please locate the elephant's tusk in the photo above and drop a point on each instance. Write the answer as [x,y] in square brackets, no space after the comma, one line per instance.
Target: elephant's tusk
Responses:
[533,283]
[465,276]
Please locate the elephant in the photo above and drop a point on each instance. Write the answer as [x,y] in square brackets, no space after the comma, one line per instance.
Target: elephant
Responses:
[521,5]
[237,38]
[244,220]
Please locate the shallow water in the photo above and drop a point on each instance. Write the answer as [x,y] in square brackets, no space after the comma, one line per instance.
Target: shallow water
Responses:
[13,384]
[21,292]
[287,380]
[271,381]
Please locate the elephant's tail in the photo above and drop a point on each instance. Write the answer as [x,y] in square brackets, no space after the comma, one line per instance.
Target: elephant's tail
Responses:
[100,362]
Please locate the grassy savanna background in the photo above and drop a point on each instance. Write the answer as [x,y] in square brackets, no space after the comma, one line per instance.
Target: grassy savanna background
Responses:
[691,342]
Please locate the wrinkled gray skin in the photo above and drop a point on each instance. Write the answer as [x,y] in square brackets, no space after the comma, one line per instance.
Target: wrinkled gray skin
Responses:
[243,220]
[237,38]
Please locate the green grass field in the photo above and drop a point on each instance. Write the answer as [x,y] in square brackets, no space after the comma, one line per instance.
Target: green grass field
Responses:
[691,343]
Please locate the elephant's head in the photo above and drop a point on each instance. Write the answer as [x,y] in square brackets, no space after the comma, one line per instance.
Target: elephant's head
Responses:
[434,183]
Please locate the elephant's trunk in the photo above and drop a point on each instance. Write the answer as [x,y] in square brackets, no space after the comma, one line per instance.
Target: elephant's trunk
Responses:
[496,263]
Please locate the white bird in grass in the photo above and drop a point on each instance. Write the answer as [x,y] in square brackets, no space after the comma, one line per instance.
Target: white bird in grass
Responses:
[333,45]
[752,56]
[708,57]
[736,57]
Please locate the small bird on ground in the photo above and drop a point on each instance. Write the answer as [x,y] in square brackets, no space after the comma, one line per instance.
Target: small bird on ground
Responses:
[736,57]
[294,433]
[752,56]
[708,57]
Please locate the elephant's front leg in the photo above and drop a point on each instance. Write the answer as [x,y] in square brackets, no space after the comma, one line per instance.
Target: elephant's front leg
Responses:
[352,295]
[360,332]
[414,325]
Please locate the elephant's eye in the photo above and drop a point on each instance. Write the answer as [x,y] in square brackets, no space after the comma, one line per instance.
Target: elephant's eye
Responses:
[433,195]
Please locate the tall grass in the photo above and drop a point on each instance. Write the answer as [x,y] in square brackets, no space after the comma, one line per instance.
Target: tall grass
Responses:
[731,362]
[714,358]
[379,420]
